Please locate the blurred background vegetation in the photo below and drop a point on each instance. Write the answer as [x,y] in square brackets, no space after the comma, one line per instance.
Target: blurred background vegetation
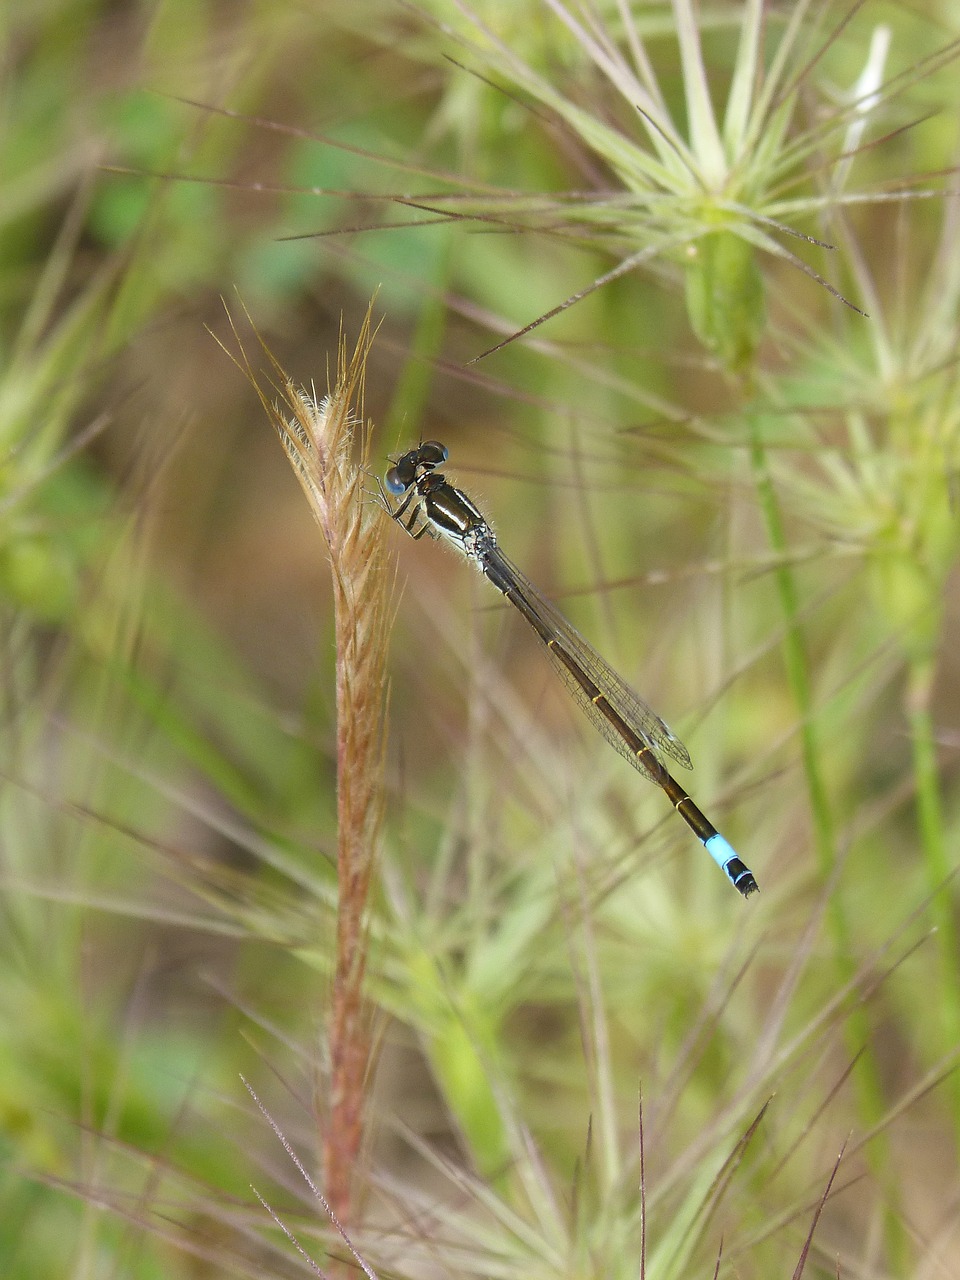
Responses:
[743,490]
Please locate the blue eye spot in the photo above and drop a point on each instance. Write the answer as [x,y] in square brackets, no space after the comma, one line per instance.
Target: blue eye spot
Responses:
[433,453]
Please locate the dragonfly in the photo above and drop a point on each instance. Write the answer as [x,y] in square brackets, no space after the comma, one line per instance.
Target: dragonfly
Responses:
[422,501]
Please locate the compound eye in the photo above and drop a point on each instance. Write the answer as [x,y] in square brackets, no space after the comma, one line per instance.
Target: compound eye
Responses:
[433,453]
[395,482]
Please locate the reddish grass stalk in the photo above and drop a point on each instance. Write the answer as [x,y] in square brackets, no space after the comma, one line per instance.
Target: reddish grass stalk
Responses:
[327,441]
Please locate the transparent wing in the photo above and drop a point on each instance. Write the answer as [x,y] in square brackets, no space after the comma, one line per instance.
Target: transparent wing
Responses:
[628,704]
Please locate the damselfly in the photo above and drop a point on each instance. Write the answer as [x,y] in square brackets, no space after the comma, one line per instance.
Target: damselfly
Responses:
[429,504]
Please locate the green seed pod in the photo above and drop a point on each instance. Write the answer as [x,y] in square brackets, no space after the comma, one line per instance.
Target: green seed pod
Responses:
[725,297]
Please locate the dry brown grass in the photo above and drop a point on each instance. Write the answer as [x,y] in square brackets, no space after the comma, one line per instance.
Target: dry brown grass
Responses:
[327,440]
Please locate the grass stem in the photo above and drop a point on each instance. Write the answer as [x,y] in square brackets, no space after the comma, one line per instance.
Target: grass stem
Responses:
[327,441]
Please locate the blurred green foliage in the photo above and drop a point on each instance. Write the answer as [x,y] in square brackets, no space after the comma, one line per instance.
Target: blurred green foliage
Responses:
[746,493]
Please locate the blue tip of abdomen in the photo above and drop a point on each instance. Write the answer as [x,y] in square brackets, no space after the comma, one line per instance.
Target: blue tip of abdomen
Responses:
[730,862]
